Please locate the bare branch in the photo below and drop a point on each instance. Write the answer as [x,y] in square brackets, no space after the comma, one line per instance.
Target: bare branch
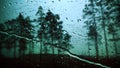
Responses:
[64,49]
[15,36]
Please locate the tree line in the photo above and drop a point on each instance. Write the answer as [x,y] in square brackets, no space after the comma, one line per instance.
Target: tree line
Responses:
[102,23]
[50,33]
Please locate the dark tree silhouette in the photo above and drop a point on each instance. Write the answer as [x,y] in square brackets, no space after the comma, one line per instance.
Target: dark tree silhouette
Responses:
[43,30]
[50,31]
[8,41]
[103,19]
[66,41]
[106,16]
[2,37]
[20,26]
[24,31]
[113,17]
[55,28]
[89,14]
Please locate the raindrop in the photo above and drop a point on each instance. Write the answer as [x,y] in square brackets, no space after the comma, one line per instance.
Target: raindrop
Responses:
[22,12]
[52,1]
[66,18]
[35,20]
[98,0]
[78,20]
[16,3]
[89,48]
[4,7]
[65,9]
[10,4]
[76,0]
[20,3]
[71,20]
[45,2]
[31,1]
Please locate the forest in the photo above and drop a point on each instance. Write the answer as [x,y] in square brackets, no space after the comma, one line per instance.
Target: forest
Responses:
[43,42]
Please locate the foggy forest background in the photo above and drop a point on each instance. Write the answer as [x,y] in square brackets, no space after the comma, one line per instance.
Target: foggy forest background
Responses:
[20,36]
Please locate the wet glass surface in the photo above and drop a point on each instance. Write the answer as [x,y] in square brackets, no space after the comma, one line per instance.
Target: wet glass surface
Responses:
[59,33]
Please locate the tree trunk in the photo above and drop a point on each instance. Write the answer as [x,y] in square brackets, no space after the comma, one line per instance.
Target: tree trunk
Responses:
[59,44]
[104,30]
[9,52]
[88,47]
[41,47]
[96,48]
[14,50]
[52,45]
[45,48]
[95,37]
[115,45]
[32,47]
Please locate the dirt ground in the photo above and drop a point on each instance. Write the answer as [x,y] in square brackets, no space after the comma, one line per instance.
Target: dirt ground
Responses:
[54,61]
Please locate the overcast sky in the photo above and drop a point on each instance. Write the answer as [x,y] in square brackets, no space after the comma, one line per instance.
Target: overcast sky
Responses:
[70,12]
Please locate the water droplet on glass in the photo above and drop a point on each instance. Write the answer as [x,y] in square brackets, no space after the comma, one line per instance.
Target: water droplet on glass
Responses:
[31,1]
[45,2]
[4,7]
[52,1]
[66,18]
[89,49]
[10,4]
[16,3]
[71,20]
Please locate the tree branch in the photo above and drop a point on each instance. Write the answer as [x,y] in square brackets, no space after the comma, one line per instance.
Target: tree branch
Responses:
[64,49]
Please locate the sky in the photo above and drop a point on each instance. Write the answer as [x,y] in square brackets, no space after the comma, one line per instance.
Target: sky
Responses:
[70,12]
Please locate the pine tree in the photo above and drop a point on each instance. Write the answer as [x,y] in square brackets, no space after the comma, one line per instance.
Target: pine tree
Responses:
[113,18]
[66,41]
[55,29]
[2,37]
[90,16]
[43,30]
[24,31]
[50,31]
[102,18]
[10,41]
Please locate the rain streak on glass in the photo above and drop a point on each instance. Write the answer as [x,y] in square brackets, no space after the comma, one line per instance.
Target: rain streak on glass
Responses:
[59,33]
